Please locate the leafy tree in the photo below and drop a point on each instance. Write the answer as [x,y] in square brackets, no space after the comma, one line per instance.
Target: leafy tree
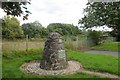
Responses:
[11,28]
[34,30]
[101,13]
[16,8]
[63,29]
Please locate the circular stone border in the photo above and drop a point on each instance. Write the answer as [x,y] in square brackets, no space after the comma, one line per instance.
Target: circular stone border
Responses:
[33,67]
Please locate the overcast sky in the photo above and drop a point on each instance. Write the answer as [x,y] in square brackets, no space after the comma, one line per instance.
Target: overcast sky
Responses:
[54,11]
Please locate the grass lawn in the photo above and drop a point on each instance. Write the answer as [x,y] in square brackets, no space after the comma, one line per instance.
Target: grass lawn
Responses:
[111,46]
[13,60]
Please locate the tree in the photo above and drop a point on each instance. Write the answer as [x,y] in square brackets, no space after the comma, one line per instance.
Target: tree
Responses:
[16,8]
[101,13]
[34,30]
[11,28]
[63,29]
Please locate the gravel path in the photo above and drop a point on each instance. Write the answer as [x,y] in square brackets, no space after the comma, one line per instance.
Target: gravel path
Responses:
[74,66]
[106,75]
[33,67]
[112,53]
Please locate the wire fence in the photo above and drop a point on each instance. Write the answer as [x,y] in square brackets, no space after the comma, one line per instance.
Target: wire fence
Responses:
[76,43]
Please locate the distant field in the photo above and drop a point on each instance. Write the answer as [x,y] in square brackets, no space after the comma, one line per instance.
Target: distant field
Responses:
[111,46]
[12,46]
[72,45]
[23,45]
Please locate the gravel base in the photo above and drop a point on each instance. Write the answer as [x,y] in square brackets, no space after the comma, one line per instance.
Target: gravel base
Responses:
[33,67]
[73,66]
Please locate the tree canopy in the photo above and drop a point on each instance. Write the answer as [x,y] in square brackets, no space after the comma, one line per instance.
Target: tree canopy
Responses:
[101,13]
[63,29]
[34,29]
[16,8]
[11,28]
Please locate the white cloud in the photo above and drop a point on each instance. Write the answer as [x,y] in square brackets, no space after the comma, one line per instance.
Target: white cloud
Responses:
[102,28]
[55,11]
[2,13]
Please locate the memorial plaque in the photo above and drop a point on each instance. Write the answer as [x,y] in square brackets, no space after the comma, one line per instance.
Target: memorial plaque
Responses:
[61,54]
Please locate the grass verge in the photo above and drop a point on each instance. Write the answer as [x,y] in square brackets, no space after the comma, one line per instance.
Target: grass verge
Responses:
[96,62]
[111,46]
[13,60]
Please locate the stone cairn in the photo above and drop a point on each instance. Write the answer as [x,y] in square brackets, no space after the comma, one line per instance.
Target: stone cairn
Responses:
[54,56]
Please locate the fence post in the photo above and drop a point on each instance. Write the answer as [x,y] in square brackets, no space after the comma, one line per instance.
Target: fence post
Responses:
[26,42]
[77,41]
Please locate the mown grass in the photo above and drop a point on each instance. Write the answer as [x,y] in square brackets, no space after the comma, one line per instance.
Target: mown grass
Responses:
[13,60]
[96,62]
[111,46]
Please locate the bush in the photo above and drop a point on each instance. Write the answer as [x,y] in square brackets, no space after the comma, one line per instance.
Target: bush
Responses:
[94,37]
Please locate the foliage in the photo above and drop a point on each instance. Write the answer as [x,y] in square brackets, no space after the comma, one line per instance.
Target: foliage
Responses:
[94,37]
[76,43]
[16,8]
[34,30]
[63,29]
[100,14]
[11,28]
[71,45]
[13,60]
[112,46]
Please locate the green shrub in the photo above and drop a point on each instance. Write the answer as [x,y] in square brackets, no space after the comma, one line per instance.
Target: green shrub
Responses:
[94,37]
[73,38]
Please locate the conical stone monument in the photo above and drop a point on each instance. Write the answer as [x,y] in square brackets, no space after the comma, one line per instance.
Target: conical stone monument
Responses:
[54,56]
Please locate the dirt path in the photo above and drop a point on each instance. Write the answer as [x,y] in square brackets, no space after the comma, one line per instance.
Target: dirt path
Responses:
[112,53]
[106,75]
[102,74]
